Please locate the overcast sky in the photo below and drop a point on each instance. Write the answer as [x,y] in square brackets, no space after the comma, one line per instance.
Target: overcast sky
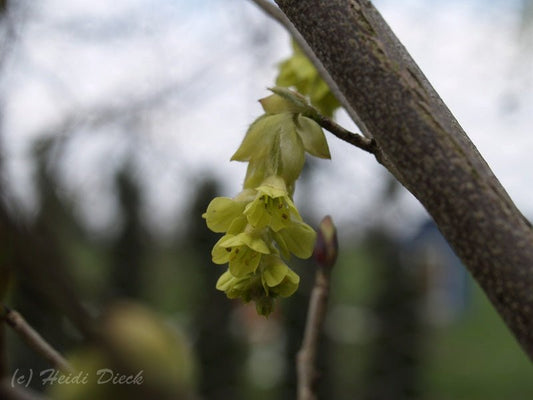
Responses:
[171,86]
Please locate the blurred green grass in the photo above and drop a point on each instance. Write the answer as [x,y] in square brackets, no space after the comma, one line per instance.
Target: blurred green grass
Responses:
[477,358]
[474,357]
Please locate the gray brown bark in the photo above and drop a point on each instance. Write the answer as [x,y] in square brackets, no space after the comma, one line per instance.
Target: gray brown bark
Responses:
[423,146]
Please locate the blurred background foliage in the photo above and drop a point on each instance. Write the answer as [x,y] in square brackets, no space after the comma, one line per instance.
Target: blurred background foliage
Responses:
[121,291]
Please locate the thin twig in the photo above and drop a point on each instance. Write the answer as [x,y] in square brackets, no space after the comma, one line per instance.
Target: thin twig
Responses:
[354,139]
[34,339]
[8,392]
[306,358]
[325,254]
[309,111]
[3,352]
[273,11]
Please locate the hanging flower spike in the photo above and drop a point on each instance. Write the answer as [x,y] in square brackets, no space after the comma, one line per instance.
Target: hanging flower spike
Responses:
[262,222]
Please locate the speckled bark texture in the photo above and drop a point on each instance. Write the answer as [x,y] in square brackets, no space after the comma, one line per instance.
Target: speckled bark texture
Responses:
[422,144]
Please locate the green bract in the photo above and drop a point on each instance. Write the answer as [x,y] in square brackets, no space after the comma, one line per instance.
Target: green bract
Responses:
[260,137]
[276,142]
[262,223]
[273,146]
[286,101]
[313,137]
[277,103]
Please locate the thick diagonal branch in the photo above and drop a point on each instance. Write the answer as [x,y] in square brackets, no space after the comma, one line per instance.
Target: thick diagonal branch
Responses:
[425,149]
[273,11]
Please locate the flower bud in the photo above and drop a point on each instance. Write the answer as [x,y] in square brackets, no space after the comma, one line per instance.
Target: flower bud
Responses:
[326,247]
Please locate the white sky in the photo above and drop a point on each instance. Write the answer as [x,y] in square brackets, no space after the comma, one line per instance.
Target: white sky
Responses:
[205,66]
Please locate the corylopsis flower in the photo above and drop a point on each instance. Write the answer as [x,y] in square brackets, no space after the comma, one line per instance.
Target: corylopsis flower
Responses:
[262,223]
[272,206]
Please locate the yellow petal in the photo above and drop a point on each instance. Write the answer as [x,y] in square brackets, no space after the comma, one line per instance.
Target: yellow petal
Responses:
[274,271]
[221,212]
[245,262]
[220,253]
[289,284]
[225,281]
[274,186]
[299,238]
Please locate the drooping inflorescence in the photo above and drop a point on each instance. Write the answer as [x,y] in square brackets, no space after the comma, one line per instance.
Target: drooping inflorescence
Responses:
[262,226]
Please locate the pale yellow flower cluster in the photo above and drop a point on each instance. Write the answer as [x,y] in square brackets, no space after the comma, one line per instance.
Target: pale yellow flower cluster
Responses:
[262,225]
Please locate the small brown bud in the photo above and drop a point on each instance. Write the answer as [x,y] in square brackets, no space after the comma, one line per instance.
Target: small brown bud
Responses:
[326,247]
